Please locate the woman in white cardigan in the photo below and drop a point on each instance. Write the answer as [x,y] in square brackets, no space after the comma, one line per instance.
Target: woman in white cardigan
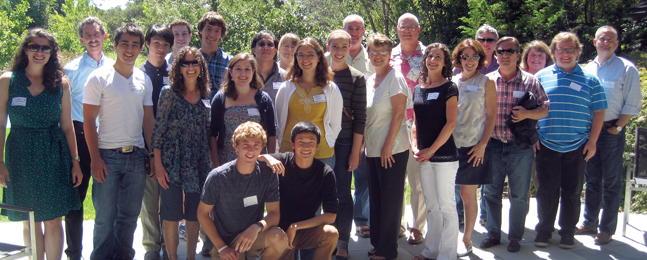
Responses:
[309,94]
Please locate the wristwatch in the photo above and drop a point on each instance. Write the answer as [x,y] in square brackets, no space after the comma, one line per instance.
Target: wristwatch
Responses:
[261,226]
[76,158]
[619,128]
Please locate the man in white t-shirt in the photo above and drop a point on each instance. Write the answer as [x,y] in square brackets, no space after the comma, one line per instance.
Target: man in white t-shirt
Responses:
[120,96]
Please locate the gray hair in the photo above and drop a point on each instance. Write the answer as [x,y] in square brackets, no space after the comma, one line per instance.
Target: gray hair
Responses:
[607,28]
[488,29]
[91,20]
[353,17]
[408,15]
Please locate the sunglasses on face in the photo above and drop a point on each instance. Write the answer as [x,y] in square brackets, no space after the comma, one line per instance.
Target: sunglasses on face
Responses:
[506,51]
[379,52]
[188,63]
[486,40]
[35,48]
[263,45]
[466,57]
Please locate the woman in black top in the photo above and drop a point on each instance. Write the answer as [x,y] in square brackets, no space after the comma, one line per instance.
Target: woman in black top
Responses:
[435,105]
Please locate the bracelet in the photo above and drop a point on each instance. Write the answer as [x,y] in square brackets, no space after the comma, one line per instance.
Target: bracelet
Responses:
[222,248]
[430,154]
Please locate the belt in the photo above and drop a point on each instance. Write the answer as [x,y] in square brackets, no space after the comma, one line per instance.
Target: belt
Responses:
[125,149]
[501,141]
[609,123]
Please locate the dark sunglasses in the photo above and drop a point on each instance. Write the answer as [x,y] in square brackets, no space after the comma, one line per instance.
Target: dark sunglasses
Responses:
[467,57]
[507,51]
[186,63]
[268,45]
[35,48]
[486,40]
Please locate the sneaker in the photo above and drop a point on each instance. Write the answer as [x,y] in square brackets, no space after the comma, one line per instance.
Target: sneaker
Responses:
[514,246]
[567,242]
[182,230]
[152,255]
[542,239]
[582,230]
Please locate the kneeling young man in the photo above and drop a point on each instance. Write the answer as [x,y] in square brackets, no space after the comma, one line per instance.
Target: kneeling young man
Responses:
[235,194]
[306,184]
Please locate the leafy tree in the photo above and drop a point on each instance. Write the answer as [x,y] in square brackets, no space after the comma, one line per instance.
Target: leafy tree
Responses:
[12,26]
[64,26]
[37,11]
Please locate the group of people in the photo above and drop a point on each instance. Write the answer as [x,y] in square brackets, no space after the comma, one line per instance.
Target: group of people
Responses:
[198,141]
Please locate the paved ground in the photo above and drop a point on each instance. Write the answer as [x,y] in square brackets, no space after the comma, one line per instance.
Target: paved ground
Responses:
[630,247]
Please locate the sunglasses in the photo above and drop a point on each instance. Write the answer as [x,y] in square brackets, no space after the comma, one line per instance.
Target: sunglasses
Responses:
[187,63]
[35,48]
[379,52]
[506,51]
[486,40]
[466,57]
[263,45]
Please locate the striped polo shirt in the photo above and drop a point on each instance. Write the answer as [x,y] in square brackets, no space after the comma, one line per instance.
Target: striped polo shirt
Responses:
[573,97]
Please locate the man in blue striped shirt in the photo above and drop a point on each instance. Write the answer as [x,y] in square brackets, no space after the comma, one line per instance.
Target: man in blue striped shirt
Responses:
[568,137]
[621,83]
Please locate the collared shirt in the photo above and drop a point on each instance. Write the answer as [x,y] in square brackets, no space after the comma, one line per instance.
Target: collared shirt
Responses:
[273,81]
[77,71]
[159,78]
[621,82]
[361,62]
[494,65]
[508,94]
[217,65]
[409,67]
[574,96]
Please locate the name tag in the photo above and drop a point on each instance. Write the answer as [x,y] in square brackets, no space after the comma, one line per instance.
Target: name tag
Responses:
[432,96]
[165,80]
[518,94]
[19,102]
[206,103]
[276,85]
[250,201]
[609,84]
[575,87]
[472,88]
[319,98]
[253,112]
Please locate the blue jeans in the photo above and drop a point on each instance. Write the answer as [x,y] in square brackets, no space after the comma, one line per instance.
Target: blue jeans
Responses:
[330,161]
[361,209]
[344,221]
[117,202]
[508,160]
[604,182]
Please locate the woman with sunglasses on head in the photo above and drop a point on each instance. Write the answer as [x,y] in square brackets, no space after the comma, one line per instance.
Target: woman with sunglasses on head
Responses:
[181,145]
[41,167]
[309,94]
[435,106]
[387,147]
[474,125]
[239,100]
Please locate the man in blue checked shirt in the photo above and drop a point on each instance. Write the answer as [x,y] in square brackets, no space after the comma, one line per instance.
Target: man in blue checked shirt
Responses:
[568,137]
[211,29]
[621,83]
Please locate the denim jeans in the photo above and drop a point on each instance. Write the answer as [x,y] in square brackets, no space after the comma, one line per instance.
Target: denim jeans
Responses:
[361,209]
[330,161]
[344,221]
[117,202]
[508,160]
[604,182]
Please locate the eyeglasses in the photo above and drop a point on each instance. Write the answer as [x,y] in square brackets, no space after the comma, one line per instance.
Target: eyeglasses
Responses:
[466,57]
[35,48]
[188,63]
[486,40]
[568,50]
[384,52]
[602,39]
[263,45]
[309,56]
[506,51]
[410,29]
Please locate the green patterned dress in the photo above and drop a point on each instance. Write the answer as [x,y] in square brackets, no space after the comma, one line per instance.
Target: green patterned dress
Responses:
[37,155]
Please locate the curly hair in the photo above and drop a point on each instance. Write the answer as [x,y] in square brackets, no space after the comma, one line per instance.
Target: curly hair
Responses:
[175,76]
[229,86]
[469,43]
[447,67]
[53,70]
[323,74]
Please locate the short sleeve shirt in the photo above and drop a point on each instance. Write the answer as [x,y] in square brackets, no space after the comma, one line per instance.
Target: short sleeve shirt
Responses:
[430,107]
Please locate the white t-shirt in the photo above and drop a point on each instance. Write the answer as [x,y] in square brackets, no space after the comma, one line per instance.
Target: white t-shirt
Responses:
[121,104]
[379,113]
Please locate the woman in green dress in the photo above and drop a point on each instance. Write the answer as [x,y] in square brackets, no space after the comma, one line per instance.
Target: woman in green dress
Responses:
[41,170]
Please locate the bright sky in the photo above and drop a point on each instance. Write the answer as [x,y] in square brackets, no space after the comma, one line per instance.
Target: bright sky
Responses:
[107,4]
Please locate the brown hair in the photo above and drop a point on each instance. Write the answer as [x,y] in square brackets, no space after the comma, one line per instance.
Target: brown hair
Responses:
[323,74]
[212,18]
[469,43]
[228,84]
[566,36]
[378,39]
[180,22]
[53,70]
[447,67]
[539,46]
[338,33]
[175,76]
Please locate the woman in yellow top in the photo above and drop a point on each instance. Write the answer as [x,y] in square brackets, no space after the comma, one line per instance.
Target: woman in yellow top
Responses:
[309,94]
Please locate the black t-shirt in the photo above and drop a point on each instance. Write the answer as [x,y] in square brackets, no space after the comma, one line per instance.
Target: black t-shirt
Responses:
[430,107]
[304,190]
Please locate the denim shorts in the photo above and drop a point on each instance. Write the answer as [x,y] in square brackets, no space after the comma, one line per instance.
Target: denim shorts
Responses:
[468,174]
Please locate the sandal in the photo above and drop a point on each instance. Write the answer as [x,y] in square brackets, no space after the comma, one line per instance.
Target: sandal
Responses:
[371,252]
[364,232]
[415,237]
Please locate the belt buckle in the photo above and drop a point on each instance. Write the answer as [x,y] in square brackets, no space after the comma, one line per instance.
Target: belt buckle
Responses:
[127,149]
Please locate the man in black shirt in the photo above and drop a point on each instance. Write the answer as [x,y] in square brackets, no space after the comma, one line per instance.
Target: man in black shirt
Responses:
[306,184]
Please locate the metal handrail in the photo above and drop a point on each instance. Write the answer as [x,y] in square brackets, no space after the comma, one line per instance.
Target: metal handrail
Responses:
[28,250]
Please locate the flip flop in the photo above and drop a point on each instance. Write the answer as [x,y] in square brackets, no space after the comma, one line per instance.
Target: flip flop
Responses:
[364,232]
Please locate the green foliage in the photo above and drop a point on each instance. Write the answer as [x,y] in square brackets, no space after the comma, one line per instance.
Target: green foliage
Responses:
[37,11]
[12,26]
[64,26]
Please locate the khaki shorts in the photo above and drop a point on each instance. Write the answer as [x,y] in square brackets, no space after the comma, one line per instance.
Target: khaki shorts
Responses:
[255,252]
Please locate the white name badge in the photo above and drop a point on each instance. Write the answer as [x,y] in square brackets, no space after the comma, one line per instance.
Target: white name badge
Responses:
[575,86]
[518,94]
[432,96]
[165,80]
[276,85]
[472,88]
[609,84]
[250,201]
[253,112]
[319,98]
[19,102]
[206,103]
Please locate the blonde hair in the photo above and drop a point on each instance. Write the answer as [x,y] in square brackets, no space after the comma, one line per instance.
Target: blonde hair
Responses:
[566,36]
[249,130]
